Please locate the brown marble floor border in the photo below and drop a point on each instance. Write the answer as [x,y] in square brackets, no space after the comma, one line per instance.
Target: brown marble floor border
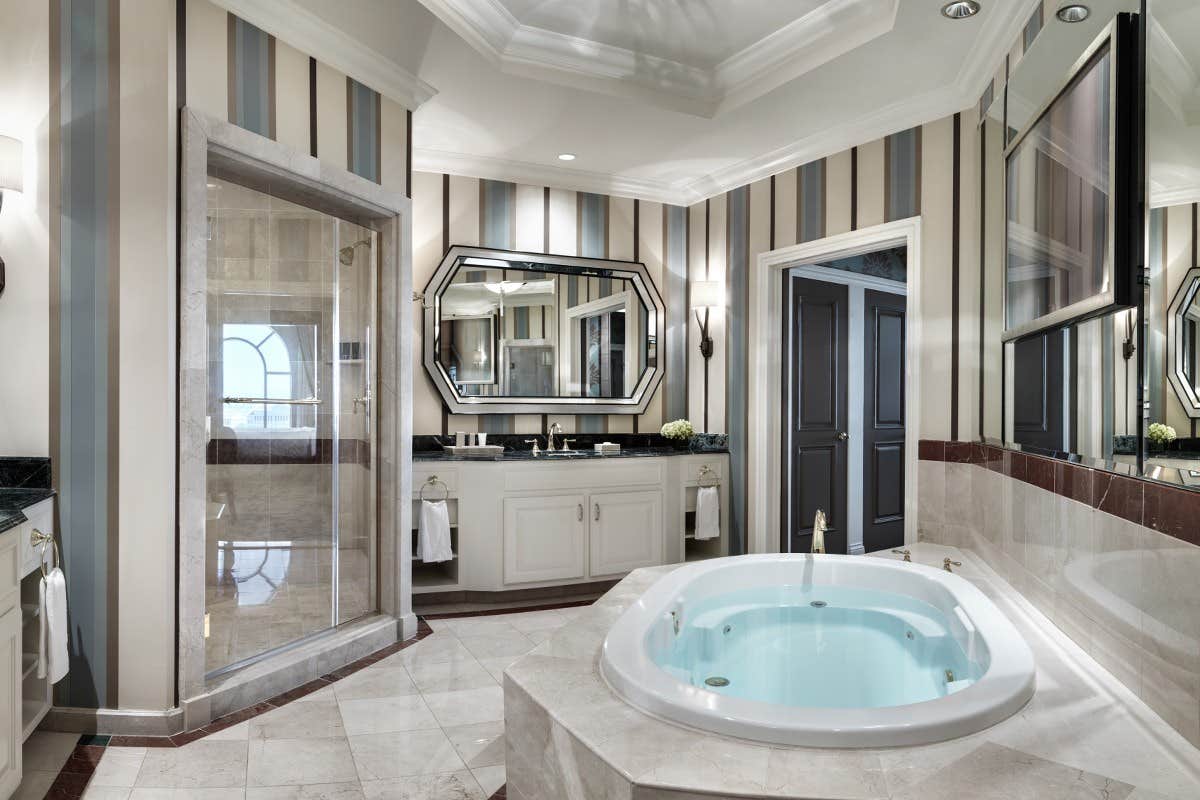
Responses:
[492,612]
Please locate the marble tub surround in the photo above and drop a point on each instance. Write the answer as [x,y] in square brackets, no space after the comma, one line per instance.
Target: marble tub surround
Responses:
[24,481]
[1083,735]
[1111,560]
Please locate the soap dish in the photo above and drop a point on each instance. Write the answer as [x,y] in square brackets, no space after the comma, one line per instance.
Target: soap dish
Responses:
[607,448]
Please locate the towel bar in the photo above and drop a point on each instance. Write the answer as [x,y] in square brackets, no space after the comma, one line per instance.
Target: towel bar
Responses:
[706,473]
[434,480]
[37,538]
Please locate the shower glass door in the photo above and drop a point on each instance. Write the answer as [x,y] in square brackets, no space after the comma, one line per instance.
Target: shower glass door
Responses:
[290,529]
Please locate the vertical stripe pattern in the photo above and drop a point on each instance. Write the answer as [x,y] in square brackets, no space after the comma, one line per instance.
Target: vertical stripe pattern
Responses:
[902,175]
[592,231]
[362,123]
[810,201]
[87,272]
[251,77]
[675,261]
[737,359]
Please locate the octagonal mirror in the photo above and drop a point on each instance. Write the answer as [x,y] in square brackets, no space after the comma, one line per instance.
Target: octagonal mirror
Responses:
[520,333]
[1183,341]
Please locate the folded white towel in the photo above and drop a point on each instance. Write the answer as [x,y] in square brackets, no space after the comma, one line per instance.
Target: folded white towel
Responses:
[52,641]
[434,532]
[708,513]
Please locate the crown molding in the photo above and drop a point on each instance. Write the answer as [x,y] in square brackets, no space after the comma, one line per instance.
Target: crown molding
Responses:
[806,43]
[524,172]
[288,21]
[992,44]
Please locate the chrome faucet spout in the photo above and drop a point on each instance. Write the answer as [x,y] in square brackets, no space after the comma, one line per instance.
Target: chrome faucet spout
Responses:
[554,429]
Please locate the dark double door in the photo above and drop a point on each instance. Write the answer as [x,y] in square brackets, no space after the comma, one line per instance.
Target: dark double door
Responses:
[818,443]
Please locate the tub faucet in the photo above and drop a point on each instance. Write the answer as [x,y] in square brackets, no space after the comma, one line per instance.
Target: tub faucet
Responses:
[818,534]
[947,563]
[906,553]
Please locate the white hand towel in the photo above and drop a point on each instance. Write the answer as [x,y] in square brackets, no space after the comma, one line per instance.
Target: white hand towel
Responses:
[708,513]
[434,532]
[52,641]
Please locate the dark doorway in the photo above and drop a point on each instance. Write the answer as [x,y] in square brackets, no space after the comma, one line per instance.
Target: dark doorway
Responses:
[883,420]
[1038,391]
[815,395]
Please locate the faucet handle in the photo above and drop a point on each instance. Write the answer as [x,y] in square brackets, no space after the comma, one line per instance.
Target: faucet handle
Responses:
[567,443]
[905,552]
[947,563]
[534,442]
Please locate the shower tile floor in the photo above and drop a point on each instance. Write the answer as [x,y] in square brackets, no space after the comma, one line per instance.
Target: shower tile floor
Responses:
[424,724]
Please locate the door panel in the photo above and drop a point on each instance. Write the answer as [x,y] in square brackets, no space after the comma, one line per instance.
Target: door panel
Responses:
[883,420]
[544,538]
[1038,391]
[626,532]
[817,372]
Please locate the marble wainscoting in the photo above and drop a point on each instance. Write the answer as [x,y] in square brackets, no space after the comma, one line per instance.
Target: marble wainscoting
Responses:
[1111,560]
[1083,735]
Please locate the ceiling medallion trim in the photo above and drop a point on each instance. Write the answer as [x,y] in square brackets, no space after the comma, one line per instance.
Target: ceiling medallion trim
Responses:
[808,42]
[290,22]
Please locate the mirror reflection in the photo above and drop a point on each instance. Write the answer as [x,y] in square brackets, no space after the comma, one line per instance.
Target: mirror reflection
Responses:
[518,329]
[1172,280]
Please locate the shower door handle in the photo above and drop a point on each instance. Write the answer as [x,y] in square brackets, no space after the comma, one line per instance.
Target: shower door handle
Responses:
[579,514]
[364,401]
[303,401]
[597,507]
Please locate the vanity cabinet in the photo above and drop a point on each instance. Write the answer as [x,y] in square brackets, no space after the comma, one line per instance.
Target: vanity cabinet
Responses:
[545,538]
[528,524]
[627,532]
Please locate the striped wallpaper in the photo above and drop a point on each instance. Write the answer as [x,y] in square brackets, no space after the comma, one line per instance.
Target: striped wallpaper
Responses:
[917,171]
[1173,248]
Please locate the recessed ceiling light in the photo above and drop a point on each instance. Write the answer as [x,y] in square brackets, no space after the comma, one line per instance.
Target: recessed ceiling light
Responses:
[566,156]
[1073,12]
[960,9]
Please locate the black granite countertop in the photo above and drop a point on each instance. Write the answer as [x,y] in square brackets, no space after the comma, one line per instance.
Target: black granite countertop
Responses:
[517,448]
[24,482]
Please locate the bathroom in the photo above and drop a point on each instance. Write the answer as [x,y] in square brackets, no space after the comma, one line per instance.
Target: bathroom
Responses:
[442,398]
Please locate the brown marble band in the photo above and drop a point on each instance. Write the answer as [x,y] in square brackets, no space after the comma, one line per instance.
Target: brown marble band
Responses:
[1166,509]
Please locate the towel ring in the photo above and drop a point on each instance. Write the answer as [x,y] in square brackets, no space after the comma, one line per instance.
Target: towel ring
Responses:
[434,480]
[38,538]
[706,474]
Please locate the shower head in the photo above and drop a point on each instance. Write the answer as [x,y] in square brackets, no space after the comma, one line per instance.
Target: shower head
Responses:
[346,254]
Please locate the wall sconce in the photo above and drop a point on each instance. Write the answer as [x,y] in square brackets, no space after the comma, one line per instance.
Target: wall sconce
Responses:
[706,295]
[11,174]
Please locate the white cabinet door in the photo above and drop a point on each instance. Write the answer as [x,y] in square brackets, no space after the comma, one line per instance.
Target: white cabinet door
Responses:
[544,538]
[10,701]
[626,531]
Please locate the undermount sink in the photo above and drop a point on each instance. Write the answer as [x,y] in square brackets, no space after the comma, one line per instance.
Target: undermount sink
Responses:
[568,454]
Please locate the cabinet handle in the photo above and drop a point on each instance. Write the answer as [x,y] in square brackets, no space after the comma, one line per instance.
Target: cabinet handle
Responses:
[597,507]
[580,514]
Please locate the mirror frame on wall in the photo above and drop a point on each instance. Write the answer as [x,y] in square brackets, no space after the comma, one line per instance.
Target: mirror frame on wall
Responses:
[1185,388]
[633,271]
[1125,213]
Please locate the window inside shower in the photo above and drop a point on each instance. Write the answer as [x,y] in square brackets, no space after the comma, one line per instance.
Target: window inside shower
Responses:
[290,479]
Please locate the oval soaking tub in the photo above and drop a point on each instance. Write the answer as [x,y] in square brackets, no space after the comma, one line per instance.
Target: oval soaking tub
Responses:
[819,651]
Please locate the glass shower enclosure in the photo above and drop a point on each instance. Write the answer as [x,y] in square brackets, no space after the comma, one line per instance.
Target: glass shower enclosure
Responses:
[290,480]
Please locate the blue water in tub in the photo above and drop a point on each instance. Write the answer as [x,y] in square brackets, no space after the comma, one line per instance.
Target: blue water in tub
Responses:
[819,646]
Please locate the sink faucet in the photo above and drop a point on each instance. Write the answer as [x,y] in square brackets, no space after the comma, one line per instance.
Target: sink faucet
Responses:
[554,429]
[818,534]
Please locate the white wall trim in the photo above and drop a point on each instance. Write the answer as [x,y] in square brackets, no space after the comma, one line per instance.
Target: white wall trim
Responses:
[763,410]
[292,23]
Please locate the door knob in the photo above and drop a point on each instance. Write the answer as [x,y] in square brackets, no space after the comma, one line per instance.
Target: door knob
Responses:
[843,436]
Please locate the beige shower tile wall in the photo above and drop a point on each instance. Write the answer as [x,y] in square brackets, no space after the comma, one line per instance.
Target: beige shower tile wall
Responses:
[1126,594]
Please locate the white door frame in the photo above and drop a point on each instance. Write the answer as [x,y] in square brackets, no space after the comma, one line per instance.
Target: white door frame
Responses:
[765,411]
[857,286]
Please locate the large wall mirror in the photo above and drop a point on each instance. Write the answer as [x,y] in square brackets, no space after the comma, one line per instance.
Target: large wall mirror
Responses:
[1172,278]
[509,332]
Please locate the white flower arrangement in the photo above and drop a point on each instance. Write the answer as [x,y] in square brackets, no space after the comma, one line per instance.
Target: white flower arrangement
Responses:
[679,429]
[1160,434]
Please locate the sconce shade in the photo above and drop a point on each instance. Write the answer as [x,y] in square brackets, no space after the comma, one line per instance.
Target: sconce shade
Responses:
[708,294]
[11,166]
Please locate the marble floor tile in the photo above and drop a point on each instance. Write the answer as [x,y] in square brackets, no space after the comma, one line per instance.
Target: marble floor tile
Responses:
[319,791]
[467,707]
[451,676]
[382,682]
[833,777]
[496,666]
[201,764]
[446,786]
[479,745]
[187,794]
[386,715]
[47,751]
[497,645]
[94,792]
[435,649]
[297,762]
[490,779]
[381,756]
[35,784]
[316,720]
[119,766]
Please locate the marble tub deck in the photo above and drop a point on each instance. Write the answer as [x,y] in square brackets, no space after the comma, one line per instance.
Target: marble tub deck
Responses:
[1082,736]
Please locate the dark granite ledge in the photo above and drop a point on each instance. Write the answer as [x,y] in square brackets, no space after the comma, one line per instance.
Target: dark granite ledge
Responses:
[633,445]
[24,472]
[575,455]
[13,503]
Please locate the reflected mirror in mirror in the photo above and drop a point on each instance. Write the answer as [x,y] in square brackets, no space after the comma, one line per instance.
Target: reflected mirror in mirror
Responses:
[523,328]
[1171,387]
